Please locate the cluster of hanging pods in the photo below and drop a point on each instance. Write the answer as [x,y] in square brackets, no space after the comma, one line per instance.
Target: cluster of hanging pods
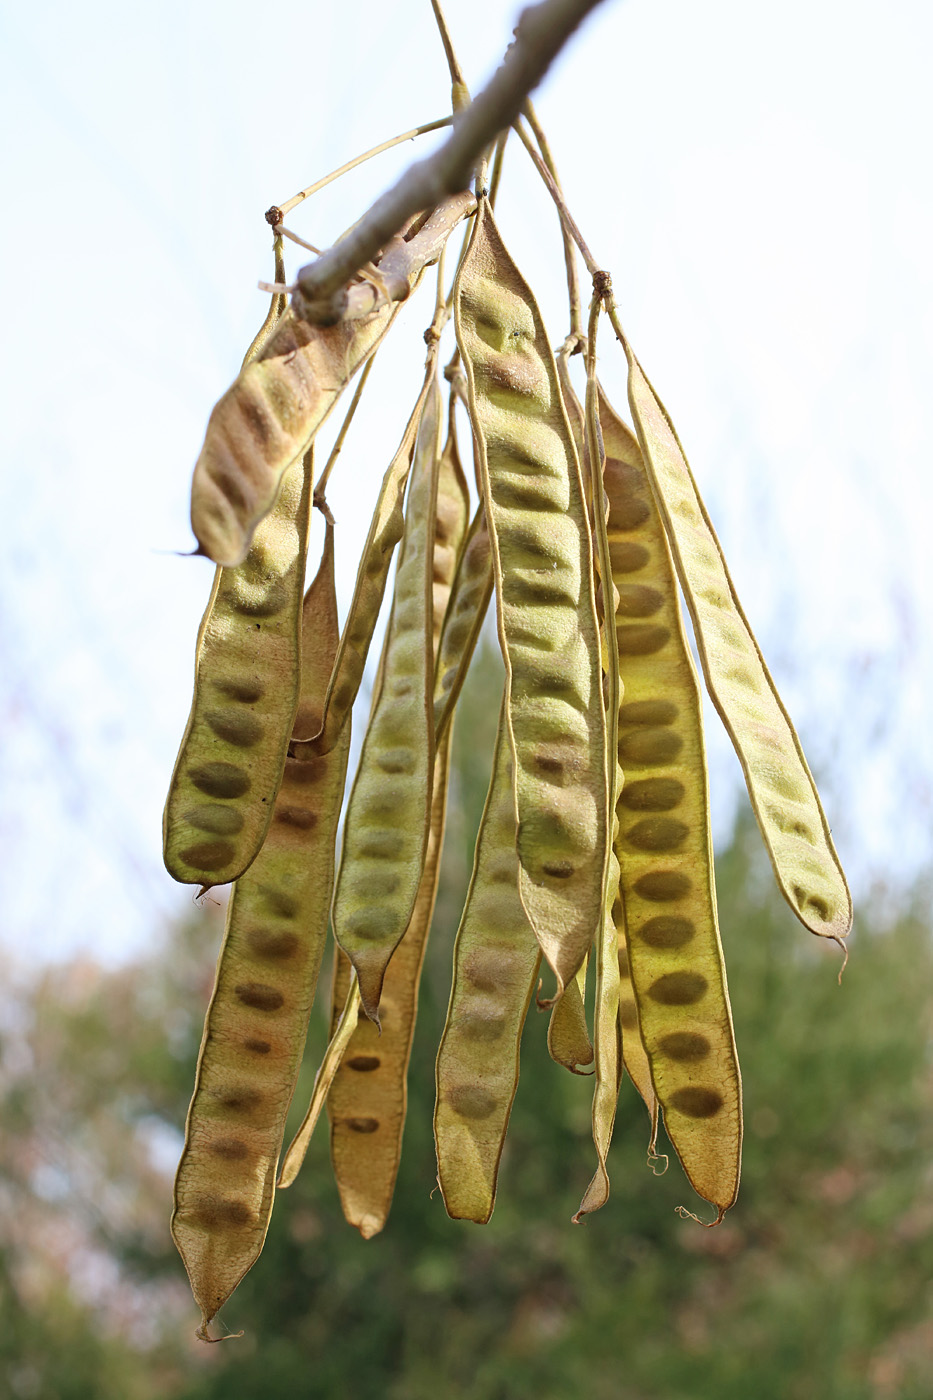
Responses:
[595,837]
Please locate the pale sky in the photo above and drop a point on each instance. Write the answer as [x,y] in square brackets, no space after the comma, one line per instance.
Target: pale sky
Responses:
[755,177]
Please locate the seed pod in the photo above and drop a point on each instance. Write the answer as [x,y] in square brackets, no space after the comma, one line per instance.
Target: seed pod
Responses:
[385,531]
[782,791]
[546,610]
[664,847]
[245,698]
[469,599]
[568,1036]
[388,816]
[256,1024]
[270,415]
[496,961]
[634,1056]
[608,1051]
[368,1099]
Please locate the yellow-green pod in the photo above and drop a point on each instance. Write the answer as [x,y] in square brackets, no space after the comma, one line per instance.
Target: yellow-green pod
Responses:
[255,1028]
[388,816]
[634,1056]
[780,785]
[568,1036]
[368,1099]
[385,531]
[496,961]
[545,602]
[463,622]
[245,699]
[608,1050]
[664,846]
[451,523]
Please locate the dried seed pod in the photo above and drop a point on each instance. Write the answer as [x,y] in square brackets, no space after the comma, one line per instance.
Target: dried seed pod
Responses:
[270,415]
[233,751]
[545,603]
[469,599]
[368,1099]
[780,785]
[388,816]
[385,531]
[369,1095]
[664,847]
[255,1027]
[496,961]
[634,1055]
[568,1036]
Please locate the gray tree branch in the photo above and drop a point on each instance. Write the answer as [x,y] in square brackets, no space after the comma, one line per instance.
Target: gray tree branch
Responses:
[542,30]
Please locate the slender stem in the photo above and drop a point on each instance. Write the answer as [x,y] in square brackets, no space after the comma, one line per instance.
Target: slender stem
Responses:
[302,242]
[497,162]
[570,257]
[276,307]
[321,488]
[592,266]
[542,31]
[459,92]
[277,213]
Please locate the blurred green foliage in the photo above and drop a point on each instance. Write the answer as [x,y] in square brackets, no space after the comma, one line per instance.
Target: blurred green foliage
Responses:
[818,1283]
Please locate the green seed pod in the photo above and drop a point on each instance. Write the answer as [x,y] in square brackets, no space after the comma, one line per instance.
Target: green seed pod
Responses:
[245,699]
[496,961]
[388,815]
[546,609]
[782,791]
[668,900]
[256,1024]
[385,531]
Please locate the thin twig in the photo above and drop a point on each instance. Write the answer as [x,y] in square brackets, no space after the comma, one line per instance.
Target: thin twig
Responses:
[570,223]
[459,92]
[277,306]
[277,213]
[497,162]
[320,490]
[570,257]
[542,31]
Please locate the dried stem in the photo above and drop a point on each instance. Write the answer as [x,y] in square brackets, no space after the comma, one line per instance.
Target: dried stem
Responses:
[570,257]
[569,222]
[320,490]
[277,213]
[276,307]
[542,31]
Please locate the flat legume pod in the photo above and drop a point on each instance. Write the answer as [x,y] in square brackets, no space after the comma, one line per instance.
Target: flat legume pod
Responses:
[232,754]
[386,828]
[568,1036]
[270,415]
[665,853]
[634,1056]
[463,622]
[545,602]
[368,1099]
[782,791]
[385,531]
[496,961]
[255,1028]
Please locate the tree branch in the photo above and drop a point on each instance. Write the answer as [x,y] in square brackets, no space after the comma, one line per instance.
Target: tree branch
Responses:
[541,33]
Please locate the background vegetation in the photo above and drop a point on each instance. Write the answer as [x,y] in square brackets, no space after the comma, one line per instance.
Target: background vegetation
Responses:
[817,1283]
